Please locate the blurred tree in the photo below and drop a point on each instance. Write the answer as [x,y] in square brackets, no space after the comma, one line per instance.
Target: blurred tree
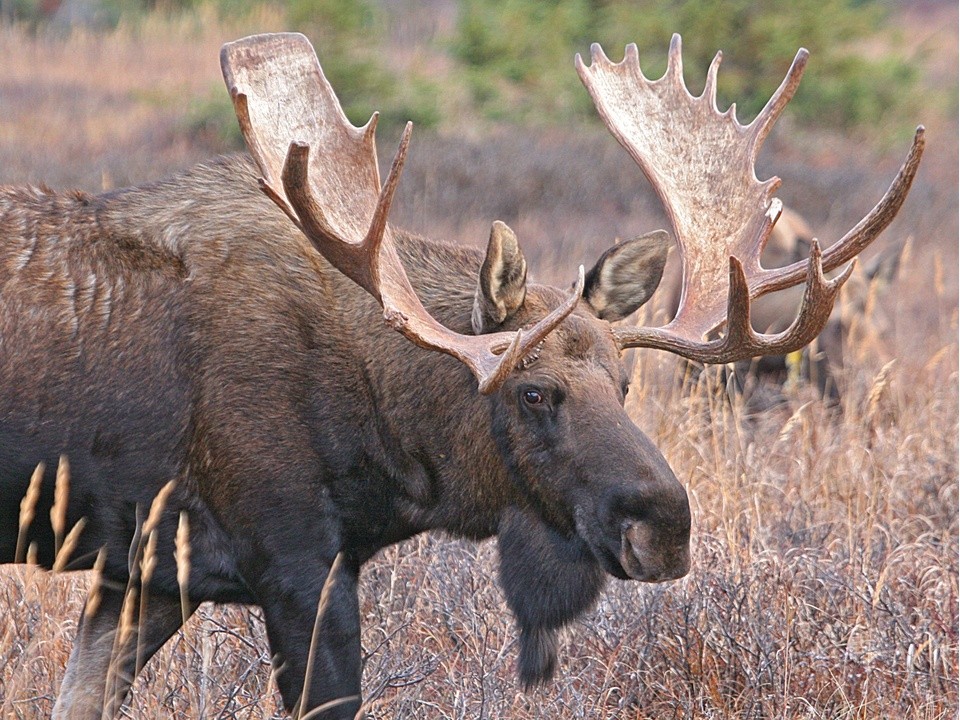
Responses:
[347,37]
[518,53]
[516,56]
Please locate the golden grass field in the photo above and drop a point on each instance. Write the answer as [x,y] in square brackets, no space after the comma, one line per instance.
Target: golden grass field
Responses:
[824,582]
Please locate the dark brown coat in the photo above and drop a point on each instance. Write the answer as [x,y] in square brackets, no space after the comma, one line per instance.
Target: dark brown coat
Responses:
[187,331]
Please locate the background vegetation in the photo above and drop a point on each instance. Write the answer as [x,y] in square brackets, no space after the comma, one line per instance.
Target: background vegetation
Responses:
[825,573]
[846,87]
[513,57]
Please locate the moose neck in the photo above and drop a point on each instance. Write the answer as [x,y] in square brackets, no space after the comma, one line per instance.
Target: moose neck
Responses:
[434,422]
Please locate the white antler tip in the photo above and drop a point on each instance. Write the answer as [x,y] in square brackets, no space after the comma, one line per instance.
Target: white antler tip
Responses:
[715,65]
[631,54]
[674,59]
[773,212]
[581,275]
[597,55]
[710,86]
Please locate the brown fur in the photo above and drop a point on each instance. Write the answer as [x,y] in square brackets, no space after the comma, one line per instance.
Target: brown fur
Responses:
[186,330]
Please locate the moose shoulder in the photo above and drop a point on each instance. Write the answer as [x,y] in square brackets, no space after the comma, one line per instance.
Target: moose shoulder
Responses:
[232,340]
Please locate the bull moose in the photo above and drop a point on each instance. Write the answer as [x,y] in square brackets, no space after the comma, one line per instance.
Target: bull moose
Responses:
[228,336]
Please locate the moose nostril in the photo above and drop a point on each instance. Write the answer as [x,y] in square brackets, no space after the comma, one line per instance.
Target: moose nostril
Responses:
[645,557]
[634,539]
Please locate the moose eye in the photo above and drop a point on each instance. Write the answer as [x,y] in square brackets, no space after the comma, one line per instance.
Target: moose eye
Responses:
[532,397]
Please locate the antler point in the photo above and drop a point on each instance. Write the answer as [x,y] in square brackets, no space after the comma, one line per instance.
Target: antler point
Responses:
[395,318]
[674,58]
[710,85]
[597,55]
[837,282]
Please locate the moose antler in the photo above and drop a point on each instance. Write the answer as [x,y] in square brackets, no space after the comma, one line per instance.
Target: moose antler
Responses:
[701,163]
[322,172]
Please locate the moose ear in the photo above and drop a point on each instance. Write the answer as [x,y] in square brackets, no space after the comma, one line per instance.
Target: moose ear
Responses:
[502,285]
[626,275]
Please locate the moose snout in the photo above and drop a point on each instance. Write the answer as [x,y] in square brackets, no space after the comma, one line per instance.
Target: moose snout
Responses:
[647,556]
[654,524]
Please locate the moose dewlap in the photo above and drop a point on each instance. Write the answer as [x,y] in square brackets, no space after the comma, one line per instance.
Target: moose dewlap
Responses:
[318,384]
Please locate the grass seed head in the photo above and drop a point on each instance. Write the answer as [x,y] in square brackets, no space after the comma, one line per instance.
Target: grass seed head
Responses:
[28,507]
[157,507]
[69,545]
[61,494]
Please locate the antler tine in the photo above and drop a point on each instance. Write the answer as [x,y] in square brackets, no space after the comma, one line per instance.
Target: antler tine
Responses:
[311,219]
[359,262]
[740,340]
[701,164]
[764,122]
[710,86]
[286,106]
[862,234]
[675,61]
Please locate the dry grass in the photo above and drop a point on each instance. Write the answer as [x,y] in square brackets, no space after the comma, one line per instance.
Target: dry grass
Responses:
[825,572]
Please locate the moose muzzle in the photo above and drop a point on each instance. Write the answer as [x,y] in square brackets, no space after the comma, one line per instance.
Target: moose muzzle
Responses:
[647,555]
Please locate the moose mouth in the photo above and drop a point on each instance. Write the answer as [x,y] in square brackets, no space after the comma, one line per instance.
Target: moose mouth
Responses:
[647,556]
[640,552]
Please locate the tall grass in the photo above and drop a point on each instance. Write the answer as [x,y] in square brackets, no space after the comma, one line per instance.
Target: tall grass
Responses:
[825,547]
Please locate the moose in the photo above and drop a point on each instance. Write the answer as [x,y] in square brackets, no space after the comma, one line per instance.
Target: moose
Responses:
[820,363]
[251,351]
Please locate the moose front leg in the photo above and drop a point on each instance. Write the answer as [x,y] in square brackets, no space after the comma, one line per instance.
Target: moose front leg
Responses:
[108,655]
[314,634]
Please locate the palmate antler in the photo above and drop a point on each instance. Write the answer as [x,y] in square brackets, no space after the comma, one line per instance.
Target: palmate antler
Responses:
[287,108]
[701,163]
